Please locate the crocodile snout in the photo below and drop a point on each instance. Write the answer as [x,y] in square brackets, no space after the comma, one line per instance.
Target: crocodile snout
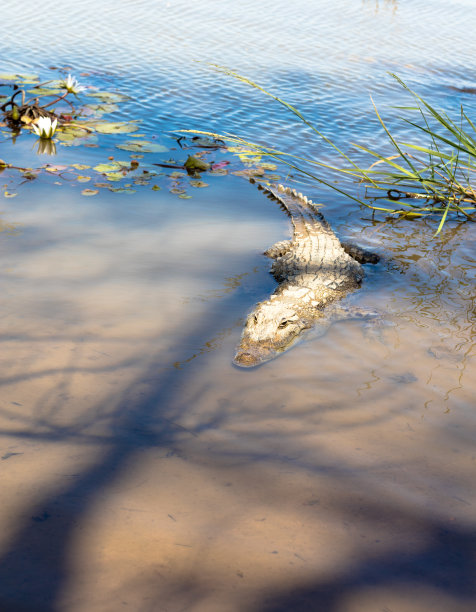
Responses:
[249,358]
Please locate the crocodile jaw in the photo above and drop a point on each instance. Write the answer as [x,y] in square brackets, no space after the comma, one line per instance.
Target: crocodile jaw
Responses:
[272,328]
[253,356]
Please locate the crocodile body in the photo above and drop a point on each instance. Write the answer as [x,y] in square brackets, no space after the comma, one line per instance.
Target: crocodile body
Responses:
[313,270]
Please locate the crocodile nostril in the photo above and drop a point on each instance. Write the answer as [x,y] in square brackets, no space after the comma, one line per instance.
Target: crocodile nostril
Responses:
[245,359]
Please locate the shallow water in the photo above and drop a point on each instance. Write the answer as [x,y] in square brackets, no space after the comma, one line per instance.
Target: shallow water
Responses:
[142,470]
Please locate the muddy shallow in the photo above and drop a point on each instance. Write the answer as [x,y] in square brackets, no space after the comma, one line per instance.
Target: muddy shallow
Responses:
[139,468]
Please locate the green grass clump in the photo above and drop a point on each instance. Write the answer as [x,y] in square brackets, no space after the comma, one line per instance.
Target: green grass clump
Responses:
[434,179]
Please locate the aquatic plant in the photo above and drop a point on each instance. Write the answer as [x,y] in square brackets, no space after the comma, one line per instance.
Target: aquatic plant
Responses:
[44,127]
[71,85]
[28,111]
[434,179]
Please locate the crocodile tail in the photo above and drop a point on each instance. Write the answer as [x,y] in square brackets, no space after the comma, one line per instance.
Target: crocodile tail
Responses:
[288,198]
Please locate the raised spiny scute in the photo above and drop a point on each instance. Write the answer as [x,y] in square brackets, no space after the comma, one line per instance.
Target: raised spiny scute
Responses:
[313,270]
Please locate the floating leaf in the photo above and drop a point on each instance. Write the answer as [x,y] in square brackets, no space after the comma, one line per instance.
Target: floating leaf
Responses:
[156,188]
[28,78]
[184,196]
[107,167]
[54,169]
[250,172]
[108,96]
[45,91]
[194,163]
[89,192]
[175,190]
[176,175]
[7,194]
[142,146]
[121,190]
[198,184]
[115,127]
[102,109]
[114,176]
[80,166]
[83,179]
[220,165]
[142,180]
[208,143]
[73,135]
[25,78]
[102,185]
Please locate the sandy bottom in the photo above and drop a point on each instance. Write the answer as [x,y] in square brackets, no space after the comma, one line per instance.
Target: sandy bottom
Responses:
[140,470]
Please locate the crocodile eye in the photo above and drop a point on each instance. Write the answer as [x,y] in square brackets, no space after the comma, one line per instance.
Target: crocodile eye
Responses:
[283,324]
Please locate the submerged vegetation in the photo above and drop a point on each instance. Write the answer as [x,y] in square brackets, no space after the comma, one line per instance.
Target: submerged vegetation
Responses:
[435,178]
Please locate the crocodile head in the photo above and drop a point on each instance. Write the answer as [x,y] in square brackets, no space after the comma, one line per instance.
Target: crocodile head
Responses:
[270,329]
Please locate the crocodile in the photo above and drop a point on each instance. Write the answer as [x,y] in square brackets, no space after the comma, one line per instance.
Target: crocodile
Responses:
[313,269]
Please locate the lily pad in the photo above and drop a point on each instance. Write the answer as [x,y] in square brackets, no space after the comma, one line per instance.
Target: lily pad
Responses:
[54,169]
[108,96]
[112,167]
[7,194]
[250,172]
[83,179]
[142,180]
[114,176]
[44,91]
[198,184]
[102,109]
[115,127]
[32,78]
[89,192]
[142,146]
[80,166]
[74,135]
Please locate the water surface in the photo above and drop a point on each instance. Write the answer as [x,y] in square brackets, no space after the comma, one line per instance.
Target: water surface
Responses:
[140,469]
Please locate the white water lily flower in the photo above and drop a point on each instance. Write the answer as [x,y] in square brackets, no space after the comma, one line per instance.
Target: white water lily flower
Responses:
[72,85]
[44,127]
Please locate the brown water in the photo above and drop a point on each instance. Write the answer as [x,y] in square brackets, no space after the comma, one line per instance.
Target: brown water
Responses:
[139,469]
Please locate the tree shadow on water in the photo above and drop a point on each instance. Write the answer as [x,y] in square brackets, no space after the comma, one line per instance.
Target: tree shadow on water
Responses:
[440,576]
[34,568]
